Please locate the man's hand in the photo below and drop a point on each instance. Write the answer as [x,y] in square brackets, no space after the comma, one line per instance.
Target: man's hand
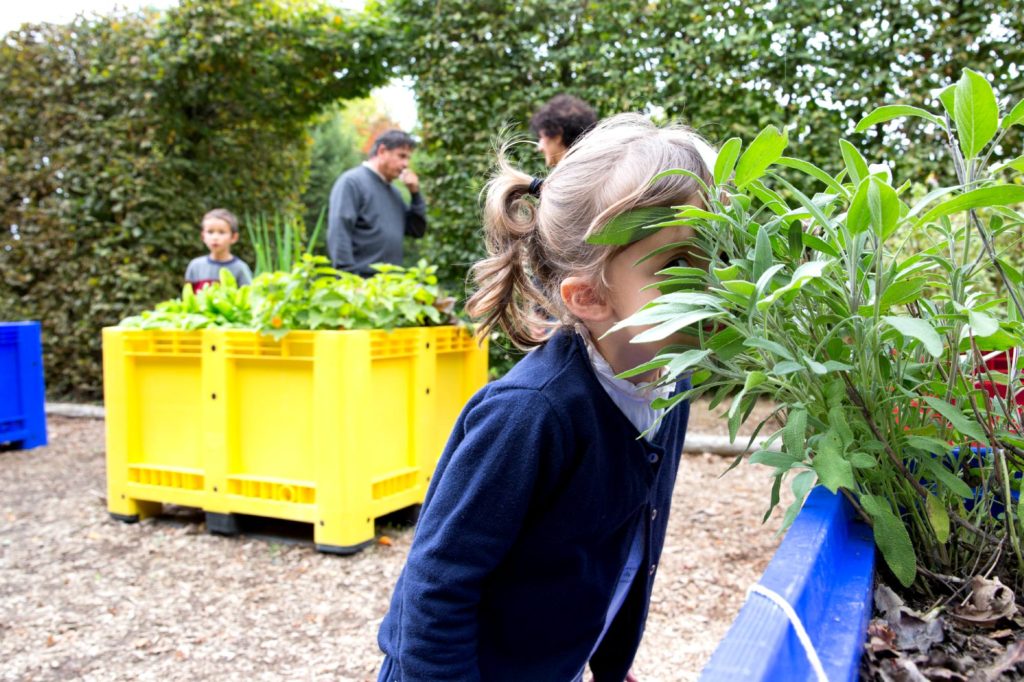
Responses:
[410,180]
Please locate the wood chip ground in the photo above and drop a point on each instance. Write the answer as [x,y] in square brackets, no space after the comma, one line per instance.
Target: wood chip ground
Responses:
[83,596]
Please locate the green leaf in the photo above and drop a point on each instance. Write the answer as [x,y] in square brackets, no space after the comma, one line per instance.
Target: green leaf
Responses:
[776,460]
[938,518]
[887,113]
[975,112]
[999,195]
[770,346]
[765,150]
[1015,116]
[813,171]
[739,286]
[833,470]
[892,539]
[1016,164]
[666,329]
[955,484]
[837,420]
[628,227]
[981,324]
[901,292]
[801,485]
[875,204]
[819,245]
[794,433]
[856,166]
[787,367]
[686,360]
[763,258]
[947,97]
[726,160]
[919,329]
[957,418]
[862,460]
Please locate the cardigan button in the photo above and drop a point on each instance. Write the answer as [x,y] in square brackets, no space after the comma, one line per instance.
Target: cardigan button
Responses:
[654,514]
[653,458]
[653,567]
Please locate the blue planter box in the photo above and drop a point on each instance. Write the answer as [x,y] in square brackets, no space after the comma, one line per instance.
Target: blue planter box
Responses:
[22,393]
[824,569]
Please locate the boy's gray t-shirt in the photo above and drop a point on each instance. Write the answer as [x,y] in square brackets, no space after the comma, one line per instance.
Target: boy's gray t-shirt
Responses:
[204,270]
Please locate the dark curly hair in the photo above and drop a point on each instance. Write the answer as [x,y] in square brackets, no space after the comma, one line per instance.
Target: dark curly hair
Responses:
[564,115]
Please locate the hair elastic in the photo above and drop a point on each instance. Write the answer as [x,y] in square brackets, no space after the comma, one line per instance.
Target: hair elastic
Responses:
[535,187]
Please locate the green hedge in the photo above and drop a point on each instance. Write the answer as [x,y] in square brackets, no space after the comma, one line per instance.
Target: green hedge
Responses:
[728,68]
[118,133]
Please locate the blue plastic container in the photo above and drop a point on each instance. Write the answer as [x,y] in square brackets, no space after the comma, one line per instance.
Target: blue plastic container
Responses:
[824,569]
[22,392]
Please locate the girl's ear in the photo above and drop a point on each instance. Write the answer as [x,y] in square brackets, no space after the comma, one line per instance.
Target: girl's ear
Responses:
[583,299]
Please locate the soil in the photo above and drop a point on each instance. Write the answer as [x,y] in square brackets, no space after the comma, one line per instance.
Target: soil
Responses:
[83,596]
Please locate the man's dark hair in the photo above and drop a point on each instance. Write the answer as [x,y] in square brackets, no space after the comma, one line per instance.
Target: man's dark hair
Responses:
[392,139]
[564,115]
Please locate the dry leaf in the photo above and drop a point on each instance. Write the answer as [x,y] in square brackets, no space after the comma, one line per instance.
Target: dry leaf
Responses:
[989,602]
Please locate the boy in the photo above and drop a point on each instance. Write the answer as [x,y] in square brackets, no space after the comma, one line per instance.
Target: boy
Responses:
[220,231]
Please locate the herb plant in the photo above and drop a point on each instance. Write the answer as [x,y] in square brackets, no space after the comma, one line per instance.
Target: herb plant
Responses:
[312,295]
[879,354]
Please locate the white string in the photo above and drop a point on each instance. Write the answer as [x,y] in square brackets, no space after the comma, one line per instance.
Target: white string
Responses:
[798,626]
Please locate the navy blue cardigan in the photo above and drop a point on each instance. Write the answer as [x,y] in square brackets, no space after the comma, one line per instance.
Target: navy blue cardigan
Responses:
[525,527]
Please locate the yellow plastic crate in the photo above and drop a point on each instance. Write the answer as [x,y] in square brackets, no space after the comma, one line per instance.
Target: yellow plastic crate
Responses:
[333,428]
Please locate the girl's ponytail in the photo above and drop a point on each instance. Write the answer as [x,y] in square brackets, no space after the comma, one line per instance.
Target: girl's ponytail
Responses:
[506,295]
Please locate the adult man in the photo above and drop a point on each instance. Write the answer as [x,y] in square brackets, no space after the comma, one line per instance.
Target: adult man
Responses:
[367,216]
[558,123]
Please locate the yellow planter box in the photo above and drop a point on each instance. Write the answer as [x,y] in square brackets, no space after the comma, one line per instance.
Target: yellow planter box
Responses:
[333,428]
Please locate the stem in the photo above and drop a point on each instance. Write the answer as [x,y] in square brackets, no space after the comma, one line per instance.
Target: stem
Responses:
[1008,515]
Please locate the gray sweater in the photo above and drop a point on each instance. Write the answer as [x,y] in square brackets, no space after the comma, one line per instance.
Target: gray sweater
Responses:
[366,220]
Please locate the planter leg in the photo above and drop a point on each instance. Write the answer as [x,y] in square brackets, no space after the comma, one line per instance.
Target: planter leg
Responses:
[221,524]
[131,511]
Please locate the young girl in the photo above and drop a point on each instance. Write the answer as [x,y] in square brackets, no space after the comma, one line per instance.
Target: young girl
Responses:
[539,539]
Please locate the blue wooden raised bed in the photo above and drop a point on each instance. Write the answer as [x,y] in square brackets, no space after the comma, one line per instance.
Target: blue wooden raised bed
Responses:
[824,569]
[22,393]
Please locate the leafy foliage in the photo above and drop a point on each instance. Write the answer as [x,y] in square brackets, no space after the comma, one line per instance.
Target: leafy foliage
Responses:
[312,295]
[882,357]
[728,68]
[118,133]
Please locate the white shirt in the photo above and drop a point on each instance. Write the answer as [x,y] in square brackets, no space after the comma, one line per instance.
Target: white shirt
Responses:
[634,400]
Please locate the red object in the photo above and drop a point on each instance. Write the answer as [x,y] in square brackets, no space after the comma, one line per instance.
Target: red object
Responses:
[202,284]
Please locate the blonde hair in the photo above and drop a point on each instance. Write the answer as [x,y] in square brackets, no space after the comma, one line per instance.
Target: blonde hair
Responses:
[533,246]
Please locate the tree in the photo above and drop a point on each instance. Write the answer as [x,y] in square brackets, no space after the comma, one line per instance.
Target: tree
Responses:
[118,132]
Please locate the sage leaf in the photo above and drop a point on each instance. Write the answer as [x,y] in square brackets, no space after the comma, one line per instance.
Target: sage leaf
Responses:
[919,329]
[794,433]
[892,539]
[726,160]
[938,517]
[1000,195]
[765,150]
[856,166]
[888,113]
[957,418]
[1015,116]
[975,111]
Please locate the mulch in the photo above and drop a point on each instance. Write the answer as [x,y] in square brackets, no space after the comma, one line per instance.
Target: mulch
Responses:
[83,596]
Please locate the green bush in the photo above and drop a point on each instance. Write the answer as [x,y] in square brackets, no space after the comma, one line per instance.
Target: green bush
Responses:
[118,133]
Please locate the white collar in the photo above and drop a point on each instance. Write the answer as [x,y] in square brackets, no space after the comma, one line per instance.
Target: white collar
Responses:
[376,172]
[634,400]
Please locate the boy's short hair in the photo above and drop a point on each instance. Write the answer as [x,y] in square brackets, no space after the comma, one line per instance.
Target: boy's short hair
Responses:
[392,139]
[564,115]
[223,214]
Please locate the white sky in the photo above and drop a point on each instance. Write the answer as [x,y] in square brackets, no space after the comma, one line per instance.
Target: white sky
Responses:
[396,98]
